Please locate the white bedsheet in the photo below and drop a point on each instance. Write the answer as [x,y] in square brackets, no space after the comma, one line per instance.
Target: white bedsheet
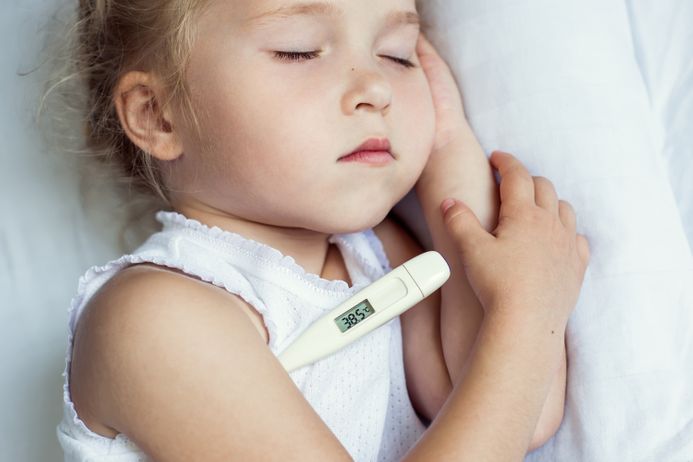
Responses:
[596,95]
[663,42]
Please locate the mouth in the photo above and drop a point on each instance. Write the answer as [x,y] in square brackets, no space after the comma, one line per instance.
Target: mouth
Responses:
[374,151]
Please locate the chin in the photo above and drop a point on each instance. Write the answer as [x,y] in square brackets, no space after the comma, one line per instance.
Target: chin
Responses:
[356,221]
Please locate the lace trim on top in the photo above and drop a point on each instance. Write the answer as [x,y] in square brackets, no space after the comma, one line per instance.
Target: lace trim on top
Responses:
[259,250]
[273,256]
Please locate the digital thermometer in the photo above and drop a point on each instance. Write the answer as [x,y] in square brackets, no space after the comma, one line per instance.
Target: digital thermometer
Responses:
[389,296]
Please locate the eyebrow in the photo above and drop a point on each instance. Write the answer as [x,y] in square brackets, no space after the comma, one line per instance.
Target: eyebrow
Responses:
[328,9]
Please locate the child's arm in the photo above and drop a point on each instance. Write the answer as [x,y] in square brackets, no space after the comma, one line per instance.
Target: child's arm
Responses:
[458,168]
[426,374]
[462,171]
[178,366]
[527,293]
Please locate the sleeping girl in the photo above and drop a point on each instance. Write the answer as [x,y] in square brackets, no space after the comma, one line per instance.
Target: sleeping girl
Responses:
[277,136]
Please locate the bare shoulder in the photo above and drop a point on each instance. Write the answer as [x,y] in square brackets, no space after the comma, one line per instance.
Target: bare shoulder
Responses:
[178,366]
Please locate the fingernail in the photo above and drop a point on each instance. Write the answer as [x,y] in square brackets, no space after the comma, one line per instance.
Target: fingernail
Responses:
[446,204]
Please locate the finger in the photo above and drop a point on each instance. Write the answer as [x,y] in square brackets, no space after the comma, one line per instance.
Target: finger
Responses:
[567,215]
[545,194]
[464,226]
[424,47]
[583,248]
[516,186]
[434,66]
[427,54]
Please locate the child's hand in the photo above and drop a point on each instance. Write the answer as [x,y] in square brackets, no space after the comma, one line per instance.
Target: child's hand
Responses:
[447,101]
[533,263]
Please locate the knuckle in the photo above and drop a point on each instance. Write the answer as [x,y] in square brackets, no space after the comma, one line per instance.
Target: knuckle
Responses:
[454,218]
[543,181]
[584,246]
[566,206]
[537,215]
[517,170]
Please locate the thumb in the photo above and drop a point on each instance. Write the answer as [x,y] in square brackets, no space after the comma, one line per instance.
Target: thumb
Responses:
[463,226]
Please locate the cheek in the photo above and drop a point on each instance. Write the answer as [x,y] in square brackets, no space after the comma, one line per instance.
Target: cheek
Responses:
[228,118]
[259,136]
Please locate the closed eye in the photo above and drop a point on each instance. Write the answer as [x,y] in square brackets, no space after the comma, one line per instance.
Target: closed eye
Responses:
[308,55]
[296,55]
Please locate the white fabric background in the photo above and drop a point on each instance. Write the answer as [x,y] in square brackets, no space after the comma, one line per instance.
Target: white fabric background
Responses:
[596,95]
[604,110]
[48,238]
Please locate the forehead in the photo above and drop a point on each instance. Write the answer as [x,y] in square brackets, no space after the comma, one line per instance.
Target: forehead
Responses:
[398,11]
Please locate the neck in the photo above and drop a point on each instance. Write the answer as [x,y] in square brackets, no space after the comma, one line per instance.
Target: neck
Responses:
[308,248]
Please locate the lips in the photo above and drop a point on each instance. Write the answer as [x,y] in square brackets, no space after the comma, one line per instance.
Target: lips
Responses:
[372,144]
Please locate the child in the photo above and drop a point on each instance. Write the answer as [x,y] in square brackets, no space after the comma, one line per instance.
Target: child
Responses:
[248,118]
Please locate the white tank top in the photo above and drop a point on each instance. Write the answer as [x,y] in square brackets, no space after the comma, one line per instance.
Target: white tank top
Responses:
[366,405]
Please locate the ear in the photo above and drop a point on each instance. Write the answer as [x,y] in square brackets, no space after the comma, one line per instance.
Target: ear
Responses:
[138,101]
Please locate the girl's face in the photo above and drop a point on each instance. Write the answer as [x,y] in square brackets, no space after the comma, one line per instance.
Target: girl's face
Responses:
[274,125]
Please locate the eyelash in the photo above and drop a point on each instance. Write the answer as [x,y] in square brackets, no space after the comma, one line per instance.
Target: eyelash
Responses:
[308,55]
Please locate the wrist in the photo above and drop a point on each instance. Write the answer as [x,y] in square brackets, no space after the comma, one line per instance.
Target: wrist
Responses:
[460,137]
[519,321]
[461,170]
[458,154]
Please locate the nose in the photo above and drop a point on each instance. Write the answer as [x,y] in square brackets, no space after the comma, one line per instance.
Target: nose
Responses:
[368,90]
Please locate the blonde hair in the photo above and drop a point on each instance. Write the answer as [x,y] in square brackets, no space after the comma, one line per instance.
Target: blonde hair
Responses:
[107,39]
[92,49]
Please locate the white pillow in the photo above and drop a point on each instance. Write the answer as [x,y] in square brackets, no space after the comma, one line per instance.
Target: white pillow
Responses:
[557,84]
[664,50]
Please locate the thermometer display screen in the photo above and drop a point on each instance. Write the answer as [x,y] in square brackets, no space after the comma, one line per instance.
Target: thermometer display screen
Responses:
[353,316]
